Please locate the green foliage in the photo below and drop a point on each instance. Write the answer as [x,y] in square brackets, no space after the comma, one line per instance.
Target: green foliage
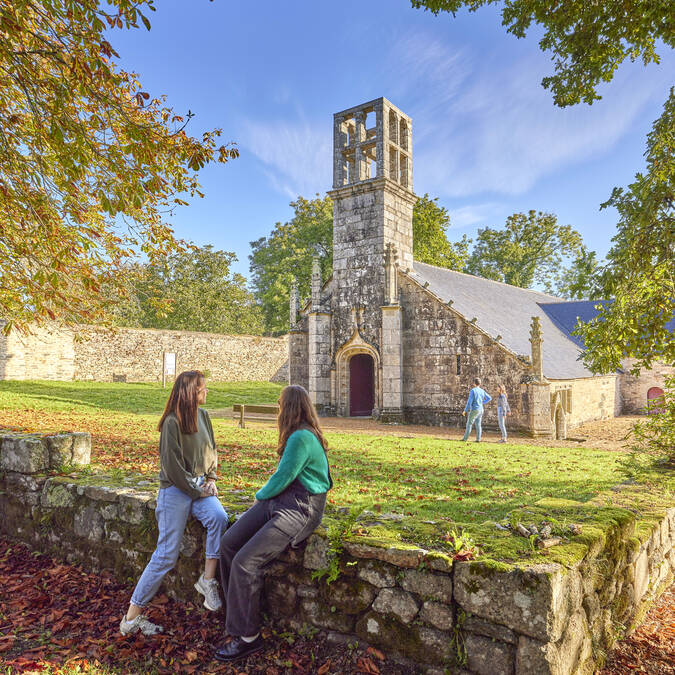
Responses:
[430,241]
[639,271]
[192,289]
[530,249]
[653,440]
[286,255]
[90,163]
[338,531]
[582,279]
[588,41]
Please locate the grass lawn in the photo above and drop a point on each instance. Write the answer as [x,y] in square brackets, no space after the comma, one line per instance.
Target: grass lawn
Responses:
[418,489]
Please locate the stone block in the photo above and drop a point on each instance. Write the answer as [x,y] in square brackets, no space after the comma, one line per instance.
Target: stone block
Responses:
[56,495]
[348,595]
[377,573]
[536,601]
[60,447]
[319,614]
[81,447]
[474,624]
[281,597]
[89,524]
[437,614]
[641,573]
[132,508]
[101,493]
[24,482]
[316,551]
[396,602]
[566,656]
[24,454]
[422,644]
[485,656]
[428,585]
[399,557]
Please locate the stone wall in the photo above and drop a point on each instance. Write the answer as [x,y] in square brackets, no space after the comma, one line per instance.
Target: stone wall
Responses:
[417,605]
[634,389]
[434,336]
[135,355]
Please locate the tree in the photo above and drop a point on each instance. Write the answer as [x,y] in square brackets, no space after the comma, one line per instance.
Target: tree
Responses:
[90,164]
[582,280]
[286,254]
[430,241]
[190,290]
[640,271]
[588,40]
[529,250]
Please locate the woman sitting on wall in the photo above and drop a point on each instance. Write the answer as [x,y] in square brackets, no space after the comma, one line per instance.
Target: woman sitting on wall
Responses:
[288,508]
[188,461]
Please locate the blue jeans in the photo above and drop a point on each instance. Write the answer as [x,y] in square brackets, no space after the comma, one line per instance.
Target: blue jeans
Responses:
[173,510]
[501,419]
[471,417]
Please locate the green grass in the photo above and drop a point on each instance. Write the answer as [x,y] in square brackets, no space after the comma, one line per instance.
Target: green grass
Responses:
[135,398]
[435,484]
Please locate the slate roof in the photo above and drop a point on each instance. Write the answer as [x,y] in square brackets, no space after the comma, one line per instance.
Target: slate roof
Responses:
[501,309]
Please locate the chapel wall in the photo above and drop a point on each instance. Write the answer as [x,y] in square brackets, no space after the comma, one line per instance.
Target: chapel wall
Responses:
[592,398]
[433,337]
[634,389]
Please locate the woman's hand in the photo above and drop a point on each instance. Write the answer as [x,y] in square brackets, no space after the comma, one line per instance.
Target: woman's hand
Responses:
[210,489]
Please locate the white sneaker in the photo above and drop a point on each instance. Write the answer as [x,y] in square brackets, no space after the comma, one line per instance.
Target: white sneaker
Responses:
[209,589]
[140,623]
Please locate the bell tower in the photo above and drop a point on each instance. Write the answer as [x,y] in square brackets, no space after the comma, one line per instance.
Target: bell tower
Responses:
[373,204]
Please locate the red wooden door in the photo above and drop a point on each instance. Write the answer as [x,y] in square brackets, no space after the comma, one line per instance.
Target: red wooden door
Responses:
[361,385]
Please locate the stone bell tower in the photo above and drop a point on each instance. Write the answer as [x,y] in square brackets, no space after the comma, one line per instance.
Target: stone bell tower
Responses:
[372,235]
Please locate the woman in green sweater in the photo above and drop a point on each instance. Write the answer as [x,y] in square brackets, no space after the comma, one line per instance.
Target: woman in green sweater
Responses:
[187,478]
[288,508]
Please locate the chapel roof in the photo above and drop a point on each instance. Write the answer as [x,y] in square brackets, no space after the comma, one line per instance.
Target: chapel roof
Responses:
[502,309]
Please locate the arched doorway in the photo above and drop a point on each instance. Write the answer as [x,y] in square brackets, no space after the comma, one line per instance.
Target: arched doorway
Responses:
[654,400]
[361,385]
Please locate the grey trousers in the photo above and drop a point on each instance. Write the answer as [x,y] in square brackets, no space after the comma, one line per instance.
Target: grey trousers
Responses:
[254,540]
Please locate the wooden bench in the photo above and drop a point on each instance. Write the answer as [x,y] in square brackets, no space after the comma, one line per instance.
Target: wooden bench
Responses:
[246,411]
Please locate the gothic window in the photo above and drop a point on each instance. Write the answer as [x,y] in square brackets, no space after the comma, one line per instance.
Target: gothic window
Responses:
[459,364]
[393,127]
[403,135]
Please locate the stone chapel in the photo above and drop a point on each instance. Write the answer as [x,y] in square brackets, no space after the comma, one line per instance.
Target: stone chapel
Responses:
[389,337]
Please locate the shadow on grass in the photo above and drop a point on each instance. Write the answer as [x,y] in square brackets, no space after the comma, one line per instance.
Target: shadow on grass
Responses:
[136,398]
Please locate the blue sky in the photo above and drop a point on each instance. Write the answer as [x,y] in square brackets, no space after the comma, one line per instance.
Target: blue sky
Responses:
[487,139]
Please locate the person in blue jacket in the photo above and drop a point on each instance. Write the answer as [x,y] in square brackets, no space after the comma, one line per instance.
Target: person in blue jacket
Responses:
[474,407]
[288,508]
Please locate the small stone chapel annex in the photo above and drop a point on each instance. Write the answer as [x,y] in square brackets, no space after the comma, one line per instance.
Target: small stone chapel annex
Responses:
[401,340]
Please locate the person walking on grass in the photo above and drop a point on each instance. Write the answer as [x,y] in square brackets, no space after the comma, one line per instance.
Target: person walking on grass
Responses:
[503,410]
[474,408]
[188,461]
[288,508]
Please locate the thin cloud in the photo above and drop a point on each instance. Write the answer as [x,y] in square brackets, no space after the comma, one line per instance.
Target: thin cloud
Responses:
[297,156]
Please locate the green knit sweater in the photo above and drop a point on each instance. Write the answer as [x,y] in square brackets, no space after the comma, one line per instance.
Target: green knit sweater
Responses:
[305,459]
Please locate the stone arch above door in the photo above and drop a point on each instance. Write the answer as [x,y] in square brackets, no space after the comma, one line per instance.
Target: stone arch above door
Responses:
[355,345]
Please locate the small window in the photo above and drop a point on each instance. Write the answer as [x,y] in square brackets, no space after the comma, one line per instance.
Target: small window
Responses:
[459,364]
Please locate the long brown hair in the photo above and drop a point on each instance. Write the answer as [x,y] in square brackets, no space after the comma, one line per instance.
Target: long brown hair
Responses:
[183,401]
[296,411]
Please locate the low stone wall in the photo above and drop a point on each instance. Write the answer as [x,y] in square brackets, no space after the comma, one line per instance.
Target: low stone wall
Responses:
[469,617]
[136,354]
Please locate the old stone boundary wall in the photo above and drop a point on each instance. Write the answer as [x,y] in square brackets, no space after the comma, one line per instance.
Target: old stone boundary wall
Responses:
[419,606]
[136,355]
